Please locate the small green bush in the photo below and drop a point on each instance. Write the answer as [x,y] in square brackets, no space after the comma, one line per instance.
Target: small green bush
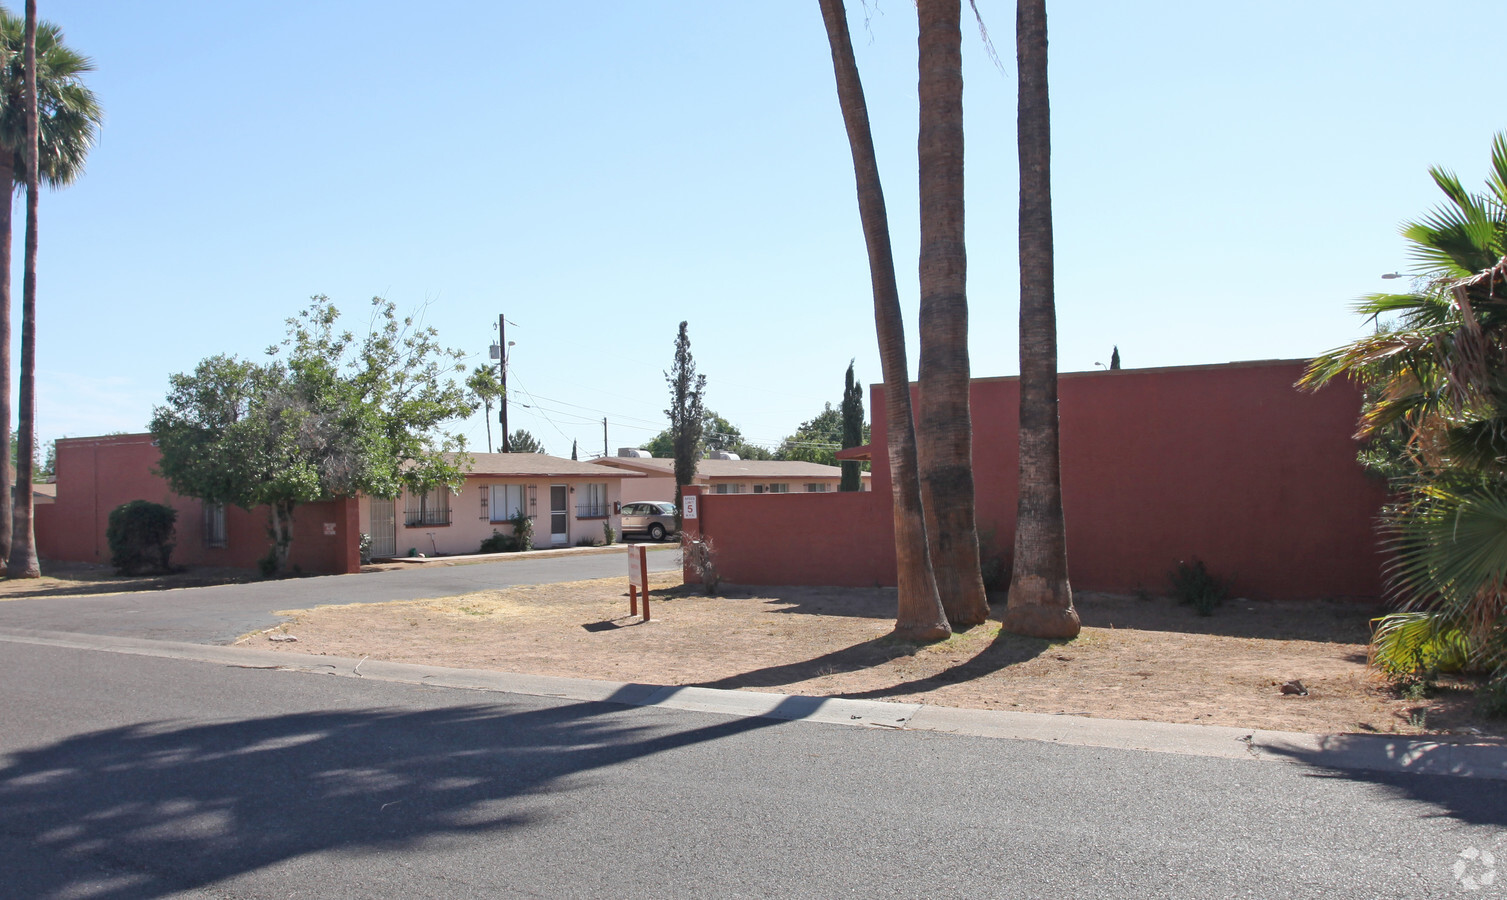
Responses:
[523,531]
[498,543]
[140,534]
[364,547]
[609,534]
[1193,585]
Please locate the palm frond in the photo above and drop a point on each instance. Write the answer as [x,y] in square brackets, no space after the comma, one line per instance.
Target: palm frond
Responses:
[1409,643]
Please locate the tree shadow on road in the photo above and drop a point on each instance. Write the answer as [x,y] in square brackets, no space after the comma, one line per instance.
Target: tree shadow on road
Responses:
[1464,779]
[163,808]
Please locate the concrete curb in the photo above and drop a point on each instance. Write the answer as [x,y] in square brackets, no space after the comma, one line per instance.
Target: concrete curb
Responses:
[399,563]
[1474,758]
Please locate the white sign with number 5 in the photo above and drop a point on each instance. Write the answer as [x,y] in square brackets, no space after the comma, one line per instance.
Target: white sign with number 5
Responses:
[689,502]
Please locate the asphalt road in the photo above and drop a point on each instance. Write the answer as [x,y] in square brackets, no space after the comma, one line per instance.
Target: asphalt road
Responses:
[191,779]
[222,613]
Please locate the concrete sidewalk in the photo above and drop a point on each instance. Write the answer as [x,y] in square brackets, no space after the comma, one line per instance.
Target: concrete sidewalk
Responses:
[1476,758]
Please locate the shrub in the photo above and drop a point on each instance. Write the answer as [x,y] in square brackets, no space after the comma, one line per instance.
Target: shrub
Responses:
[609,534]
[1192,584]
[498,543]
[1491,700]
[994,563]
[141,536]
[1411,643]
[523,531]
[364,547]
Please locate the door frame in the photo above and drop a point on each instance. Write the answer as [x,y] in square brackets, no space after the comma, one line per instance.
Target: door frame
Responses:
[559,538]
[391,505]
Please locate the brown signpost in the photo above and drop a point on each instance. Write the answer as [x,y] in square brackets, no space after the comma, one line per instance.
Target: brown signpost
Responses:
[638,578]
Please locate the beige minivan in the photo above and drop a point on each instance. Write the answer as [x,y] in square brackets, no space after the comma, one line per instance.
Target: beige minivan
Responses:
[654,518]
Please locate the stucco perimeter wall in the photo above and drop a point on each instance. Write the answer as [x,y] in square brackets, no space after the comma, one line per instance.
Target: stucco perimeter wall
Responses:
[841,539]
[1227,463]
[96,475]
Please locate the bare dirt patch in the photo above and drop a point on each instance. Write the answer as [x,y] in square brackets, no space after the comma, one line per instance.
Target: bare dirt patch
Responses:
[1136,658]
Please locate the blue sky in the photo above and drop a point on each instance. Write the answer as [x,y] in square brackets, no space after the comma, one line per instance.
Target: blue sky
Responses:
[1227,178]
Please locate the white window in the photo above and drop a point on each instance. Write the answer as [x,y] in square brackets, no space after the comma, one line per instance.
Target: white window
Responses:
[431,507]
[214,525]
[779,488]
[591,501]
[816,487]
[725,488]
[507,501]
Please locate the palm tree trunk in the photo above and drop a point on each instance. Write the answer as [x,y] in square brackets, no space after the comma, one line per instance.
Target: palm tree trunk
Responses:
[1041,601]
[946,446]
[23,549]
[8,181]
[919,614]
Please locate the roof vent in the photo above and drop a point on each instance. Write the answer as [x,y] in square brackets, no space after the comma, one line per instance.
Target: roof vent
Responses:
[723,454]
[634,453]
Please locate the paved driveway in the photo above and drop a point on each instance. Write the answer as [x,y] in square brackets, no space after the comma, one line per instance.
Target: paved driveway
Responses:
[218,614]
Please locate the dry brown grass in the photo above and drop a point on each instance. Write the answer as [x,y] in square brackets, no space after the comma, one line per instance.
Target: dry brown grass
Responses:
[1136,659]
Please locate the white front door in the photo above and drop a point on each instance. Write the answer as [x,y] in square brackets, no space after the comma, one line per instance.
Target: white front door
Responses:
[559,515]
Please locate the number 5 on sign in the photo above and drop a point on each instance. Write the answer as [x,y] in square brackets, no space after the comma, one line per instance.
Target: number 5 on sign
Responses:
[689,502]
[638,579]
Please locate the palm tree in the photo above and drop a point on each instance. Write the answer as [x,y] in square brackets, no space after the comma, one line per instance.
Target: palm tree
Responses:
[1436,370]
[1041,600]
[919,614]
[69,118]
[946,446]
[23,561]
[485,389]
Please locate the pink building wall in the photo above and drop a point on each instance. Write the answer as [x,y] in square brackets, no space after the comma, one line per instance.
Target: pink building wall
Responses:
[96,475]
[1227,463]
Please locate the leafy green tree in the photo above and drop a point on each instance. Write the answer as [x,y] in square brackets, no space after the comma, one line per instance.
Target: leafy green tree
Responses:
[816,440]
[717,433]
[685,412]
[485,389]
[42,469]
[328,416]
[68,120]
[1436,377]
[524,442]
[855,431]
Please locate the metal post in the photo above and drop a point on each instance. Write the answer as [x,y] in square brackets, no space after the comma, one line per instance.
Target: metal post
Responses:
[502,362]
[604,436]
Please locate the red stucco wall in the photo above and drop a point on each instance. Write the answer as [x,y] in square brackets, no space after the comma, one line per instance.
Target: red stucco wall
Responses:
[1226,463]
[95,475]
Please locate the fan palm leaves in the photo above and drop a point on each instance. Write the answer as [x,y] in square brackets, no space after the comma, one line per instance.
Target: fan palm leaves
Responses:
[68,111]
[1449,569]
[1438,358]
[1436,371]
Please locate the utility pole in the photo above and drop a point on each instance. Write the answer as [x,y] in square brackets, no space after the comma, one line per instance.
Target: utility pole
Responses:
[604,436]
[502,362]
